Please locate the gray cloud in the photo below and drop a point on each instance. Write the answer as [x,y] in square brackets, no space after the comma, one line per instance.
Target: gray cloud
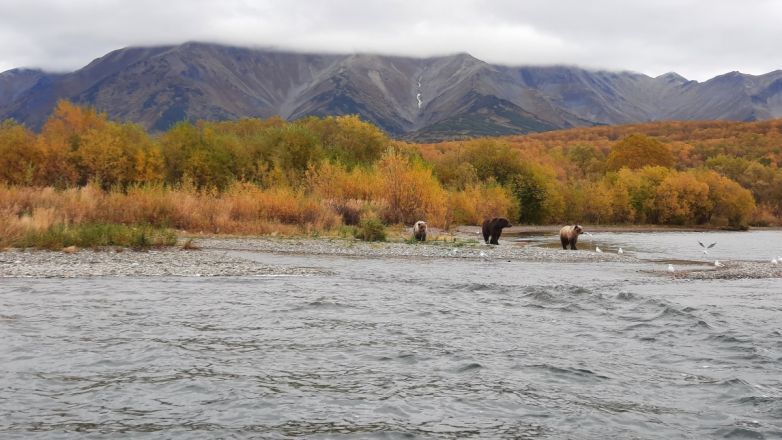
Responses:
[697,38]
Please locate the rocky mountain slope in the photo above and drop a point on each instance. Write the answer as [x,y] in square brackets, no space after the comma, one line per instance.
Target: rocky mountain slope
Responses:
[421,98]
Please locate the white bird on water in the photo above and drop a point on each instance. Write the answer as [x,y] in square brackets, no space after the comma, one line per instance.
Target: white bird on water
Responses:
[598,250]
[671,270]
[717,263]
[706,248]
[620,251]
[774,261]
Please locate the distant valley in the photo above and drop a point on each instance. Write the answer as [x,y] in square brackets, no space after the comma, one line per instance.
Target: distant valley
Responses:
[455,96]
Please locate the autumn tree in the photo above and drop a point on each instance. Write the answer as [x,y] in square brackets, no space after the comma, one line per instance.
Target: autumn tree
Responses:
[476,203]
[764,181]
[410,191]
[537,192]
[292,149]
[62,136]
[493,159]
[331,181]
[118,154]
[454,171]
[638,151]
[682,199]
[587,159]
[347,139]
[731,203]
[19,155]
[641,186]
[198,155]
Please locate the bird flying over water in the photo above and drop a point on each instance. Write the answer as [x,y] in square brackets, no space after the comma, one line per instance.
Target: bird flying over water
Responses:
[706,248]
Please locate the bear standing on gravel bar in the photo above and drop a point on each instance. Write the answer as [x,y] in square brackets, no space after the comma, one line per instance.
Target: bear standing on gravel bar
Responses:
[569,235]
[419,230]
[492,229]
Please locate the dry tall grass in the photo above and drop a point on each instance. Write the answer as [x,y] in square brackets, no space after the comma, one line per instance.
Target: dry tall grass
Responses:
[243,209]
[397,192]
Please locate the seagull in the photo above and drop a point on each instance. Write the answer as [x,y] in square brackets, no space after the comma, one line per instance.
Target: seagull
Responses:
[598,250]
[620,251]
[717,263]
[672,270]
[706,248]
[774,261]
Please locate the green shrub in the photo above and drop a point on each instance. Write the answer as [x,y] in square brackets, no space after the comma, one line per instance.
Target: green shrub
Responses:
[371,229]
[96,235]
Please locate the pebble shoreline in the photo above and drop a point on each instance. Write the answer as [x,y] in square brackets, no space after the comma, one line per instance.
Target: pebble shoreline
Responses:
[222,256]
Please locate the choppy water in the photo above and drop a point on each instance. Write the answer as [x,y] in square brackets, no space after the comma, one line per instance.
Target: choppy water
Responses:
[393,349]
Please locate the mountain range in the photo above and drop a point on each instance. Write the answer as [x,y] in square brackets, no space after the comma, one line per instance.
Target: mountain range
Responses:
[434,98]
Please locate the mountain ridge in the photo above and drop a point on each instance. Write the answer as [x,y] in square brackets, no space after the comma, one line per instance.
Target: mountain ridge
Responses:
[433,98]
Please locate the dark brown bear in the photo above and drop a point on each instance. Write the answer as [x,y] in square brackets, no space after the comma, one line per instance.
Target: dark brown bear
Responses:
[568,235]
[492,228]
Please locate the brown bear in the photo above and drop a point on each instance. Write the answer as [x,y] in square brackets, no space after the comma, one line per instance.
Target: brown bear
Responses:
[492,228]
[568,235]
[419,230]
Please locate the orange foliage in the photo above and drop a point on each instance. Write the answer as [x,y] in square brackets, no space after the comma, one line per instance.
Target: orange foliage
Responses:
[243,176]
[476,203]
[334,182]
[680,198]
[19,155]
[410,191]
[638,151]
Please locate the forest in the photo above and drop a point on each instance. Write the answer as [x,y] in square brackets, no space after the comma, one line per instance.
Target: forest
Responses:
[329,174]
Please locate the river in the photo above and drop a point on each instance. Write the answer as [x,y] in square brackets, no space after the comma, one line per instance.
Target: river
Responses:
[394,348]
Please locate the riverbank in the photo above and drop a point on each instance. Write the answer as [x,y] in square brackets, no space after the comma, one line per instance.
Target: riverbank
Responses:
[554,229]
[232,256]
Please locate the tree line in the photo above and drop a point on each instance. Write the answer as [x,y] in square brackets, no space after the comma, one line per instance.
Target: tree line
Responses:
[723,174]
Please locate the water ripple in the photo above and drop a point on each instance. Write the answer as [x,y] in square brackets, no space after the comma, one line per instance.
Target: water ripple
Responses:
[391,350]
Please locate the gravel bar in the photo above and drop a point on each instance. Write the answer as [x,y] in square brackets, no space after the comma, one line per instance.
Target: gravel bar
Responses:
[223,256]
[154,263]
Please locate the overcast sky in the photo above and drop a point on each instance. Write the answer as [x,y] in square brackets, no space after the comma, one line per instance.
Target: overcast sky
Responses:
[696,38]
